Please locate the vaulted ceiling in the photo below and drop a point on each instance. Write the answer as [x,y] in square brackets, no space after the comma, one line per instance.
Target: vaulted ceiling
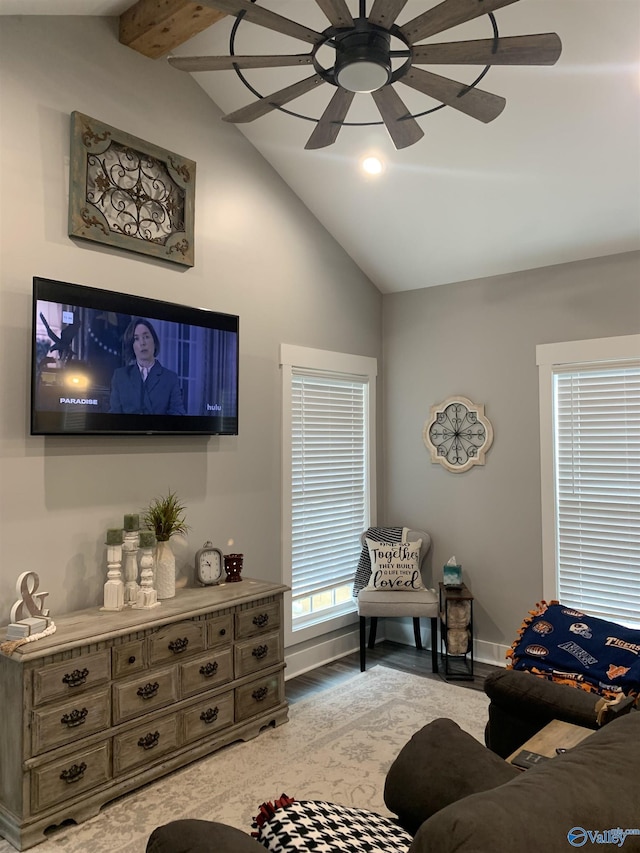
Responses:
[554,178]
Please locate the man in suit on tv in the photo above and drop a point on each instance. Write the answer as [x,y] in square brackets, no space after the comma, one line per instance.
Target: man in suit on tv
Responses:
[144,386]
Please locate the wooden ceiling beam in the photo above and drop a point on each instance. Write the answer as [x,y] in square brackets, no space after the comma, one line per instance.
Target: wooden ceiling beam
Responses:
[155,27]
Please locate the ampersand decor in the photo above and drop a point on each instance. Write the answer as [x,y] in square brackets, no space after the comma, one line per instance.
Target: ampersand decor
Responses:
[458,434]
[31,602]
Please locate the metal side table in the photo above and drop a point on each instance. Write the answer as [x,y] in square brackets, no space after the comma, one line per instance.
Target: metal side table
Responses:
[456,632]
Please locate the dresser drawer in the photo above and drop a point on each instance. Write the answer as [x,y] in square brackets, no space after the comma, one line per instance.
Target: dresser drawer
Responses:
[142,695]
[145,744]
[128,659]
[208,716]
[219,631]
[179,639]
[256,697]
[64,779]
[205,671]
[257,654]
[55,725]
[71,677]
[257,620]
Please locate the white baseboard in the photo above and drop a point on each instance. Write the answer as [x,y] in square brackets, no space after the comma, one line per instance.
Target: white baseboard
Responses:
[492,653]
[311,655]
[401,631]
[304,658]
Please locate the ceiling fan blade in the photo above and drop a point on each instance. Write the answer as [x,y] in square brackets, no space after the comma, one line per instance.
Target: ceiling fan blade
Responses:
[384,12]
[276,99]
[226,63]
[265,18]
[475,102]
[448,14]
[337,12]
[330,122]
[403,129]
[542,49]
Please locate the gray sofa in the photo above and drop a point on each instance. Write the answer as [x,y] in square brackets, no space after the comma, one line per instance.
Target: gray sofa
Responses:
[455,796]
[522,704]
[594,787]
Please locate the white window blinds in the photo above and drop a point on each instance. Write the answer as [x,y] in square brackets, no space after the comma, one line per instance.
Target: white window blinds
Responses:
[329,492]
[597,483]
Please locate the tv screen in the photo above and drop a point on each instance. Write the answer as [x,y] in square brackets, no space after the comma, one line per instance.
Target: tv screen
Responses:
[107,362]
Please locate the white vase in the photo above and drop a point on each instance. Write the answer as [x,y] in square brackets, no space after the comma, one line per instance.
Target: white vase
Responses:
[165,571]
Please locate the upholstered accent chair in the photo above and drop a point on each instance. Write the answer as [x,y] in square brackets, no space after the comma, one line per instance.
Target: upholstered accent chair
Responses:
[414,604]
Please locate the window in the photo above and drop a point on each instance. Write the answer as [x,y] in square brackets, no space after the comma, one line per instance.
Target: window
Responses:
[590,451]
[328,482]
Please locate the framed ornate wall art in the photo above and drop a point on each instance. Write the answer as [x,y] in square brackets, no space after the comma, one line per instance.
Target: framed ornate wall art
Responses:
[129,193]
[457,434]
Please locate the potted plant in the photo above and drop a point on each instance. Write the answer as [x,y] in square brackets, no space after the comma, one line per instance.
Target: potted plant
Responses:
[165,515]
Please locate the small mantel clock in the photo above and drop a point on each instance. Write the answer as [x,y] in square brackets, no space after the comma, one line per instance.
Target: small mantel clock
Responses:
[209,565]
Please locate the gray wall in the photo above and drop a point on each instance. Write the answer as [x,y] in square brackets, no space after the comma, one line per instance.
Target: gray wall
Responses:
[478,339]
[259,254]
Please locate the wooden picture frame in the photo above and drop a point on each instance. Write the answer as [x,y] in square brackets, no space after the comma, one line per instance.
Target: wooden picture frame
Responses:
[128,193]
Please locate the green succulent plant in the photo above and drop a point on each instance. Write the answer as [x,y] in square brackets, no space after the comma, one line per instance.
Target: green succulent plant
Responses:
[165,516]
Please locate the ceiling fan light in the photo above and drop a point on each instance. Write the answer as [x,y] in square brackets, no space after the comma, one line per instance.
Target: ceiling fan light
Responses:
[364,76]
[363,61]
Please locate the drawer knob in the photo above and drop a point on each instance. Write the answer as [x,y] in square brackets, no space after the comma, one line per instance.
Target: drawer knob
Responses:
[260,693]
[74,773]
[178,646]
[149,741]
[223,631]
[75,718]
[209,669]
[260,652]
[261,620]
[132,658]
[149,690]
[209,716]
[75,678]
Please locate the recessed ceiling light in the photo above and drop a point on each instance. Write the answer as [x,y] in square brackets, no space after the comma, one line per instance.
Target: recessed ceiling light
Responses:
[372,165]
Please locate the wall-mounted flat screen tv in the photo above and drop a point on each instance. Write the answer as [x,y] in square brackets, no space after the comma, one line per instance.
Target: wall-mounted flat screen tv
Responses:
[113,363]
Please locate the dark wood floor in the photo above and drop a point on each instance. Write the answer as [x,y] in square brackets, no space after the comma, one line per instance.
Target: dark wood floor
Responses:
[392,655]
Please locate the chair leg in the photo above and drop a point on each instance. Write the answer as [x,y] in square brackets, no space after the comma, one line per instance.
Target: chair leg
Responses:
[416,632]
[363,644]
[372,631]
[434,644]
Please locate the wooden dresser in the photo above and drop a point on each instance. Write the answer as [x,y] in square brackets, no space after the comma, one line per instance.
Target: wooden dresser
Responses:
[112,701]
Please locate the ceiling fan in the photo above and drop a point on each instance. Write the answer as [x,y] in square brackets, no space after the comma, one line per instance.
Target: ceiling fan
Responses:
[363,61]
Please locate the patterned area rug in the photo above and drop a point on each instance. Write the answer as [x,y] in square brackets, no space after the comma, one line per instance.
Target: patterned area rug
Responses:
[337,746]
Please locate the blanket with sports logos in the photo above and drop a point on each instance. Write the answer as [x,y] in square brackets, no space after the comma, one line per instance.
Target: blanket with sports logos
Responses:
[566,645]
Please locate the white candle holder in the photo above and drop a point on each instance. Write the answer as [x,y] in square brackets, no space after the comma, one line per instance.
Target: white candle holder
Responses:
[130,549]
[114,587]
[147,595]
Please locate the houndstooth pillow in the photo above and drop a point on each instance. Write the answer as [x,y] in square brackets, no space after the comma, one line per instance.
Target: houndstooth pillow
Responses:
[310,825]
